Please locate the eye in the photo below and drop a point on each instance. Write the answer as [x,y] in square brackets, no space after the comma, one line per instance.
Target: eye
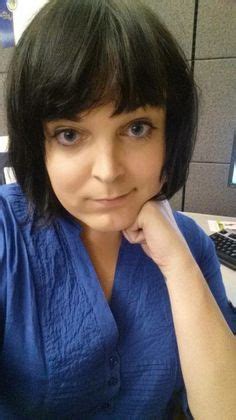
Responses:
[67,137]
[140,129]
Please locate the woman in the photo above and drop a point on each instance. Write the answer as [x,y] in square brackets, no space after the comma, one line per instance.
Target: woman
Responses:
[112,305]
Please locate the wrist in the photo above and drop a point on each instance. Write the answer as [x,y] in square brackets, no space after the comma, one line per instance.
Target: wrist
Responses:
[180,267]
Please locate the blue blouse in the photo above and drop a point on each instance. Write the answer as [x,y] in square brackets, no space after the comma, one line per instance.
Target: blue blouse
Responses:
[66,353]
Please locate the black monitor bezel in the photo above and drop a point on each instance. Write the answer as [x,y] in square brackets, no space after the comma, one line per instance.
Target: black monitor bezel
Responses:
[232,163]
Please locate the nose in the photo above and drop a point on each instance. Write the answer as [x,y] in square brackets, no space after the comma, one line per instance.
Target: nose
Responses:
[107,162]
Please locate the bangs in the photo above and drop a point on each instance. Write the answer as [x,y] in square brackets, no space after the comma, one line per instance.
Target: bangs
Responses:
[111,60]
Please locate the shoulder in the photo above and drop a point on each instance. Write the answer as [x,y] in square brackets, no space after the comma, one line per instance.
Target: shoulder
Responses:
[13,214]
[8,190]
[13,209]
[187,225]
[12,201]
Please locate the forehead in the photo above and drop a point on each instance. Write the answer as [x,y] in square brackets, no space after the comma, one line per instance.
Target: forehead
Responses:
[108,111]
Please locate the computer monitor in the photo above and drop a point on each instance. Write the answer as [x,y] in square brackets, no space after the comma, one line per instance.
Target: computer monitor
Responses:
[232,169]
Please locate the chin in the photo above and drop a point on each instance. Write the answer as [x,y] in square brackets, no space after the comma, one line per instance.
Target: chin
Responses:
[105,223]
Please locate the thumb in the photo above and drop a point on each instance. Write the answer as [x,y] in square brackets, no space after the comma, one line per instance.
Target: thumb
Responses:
[134,234]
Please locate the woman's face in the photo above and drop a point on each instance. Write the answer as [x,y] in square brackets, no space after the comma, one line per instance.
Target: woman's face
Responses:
[99,157]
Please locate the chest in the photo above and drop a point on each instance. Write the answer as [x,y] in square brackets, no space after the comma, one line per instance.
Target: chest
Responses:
[79,352]
[87,356]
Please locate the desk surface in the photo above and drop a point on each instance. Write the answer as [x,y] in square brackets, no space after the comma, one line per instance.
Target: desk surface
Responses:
[229,276]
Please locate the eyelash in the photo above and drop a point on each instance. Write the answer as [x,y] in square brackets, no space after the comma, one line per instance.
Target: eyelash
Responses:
[149,124]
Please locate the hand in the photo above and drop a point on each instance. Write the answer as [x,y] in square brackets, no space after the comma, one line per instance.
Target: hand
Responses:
[155,229]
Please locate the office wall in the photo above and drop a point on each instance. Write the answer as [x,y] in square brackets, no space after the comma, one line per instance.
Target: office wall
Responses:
[214,61]
[215,72]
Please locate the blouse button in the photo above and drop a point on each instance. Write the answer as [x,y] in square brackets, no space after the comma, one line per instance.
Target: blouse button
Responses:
[113,381]
[113,361]
[107,406]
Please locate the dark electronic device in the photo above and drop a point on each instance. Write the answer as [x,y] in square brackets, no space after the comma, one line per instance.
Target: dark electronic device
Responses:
[232,168]
[225,243]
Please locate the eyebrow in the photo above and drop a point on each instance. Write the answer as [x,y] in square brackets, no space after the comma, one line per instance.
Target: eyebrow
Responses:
[57,120]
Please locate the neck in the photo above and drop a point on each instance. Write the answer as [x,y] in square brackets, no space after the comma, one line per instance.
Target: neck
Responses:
[93,237]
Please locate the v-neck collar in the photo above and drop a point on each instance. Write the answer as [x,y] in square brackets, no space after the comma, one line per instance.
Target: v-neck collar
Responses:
[128,258]
[88,279]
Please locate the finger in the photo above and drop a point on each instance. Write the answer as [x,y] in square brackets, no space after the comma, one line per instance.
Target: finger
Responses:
[135,237]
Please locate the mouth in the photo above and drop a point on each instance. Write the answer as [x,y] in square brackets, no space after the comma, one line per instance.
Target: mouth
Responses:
[112,202]
[111,198]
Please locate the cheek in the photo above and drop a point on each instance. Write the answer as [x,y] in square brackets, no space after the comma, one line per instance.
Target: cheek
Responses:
[149,175]
[64,175]
[149,170]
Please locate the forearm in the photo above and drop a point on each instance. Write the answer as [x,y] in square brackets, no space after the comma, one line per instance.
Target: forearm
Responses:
[207,347]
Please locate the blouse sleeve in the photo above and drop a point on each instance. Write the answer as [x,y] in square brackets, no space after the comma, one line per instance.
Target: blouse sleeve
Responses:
[8,256]
[4,237]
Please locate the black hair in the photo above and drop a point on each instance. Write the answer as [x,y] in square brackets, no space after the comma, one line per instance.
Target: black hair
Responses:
[78,54]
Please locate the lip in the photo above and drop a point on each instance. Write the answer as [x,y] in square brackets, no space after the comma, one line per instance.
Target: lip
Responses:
[112,202]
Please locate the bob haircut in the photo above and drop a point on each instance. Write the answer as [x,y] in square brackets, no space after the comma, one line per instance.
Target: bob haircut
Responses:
[79,54]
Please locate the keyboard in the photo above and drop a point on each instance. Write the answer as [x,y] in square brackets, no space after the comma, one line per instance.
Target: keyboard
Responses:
[225,244]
